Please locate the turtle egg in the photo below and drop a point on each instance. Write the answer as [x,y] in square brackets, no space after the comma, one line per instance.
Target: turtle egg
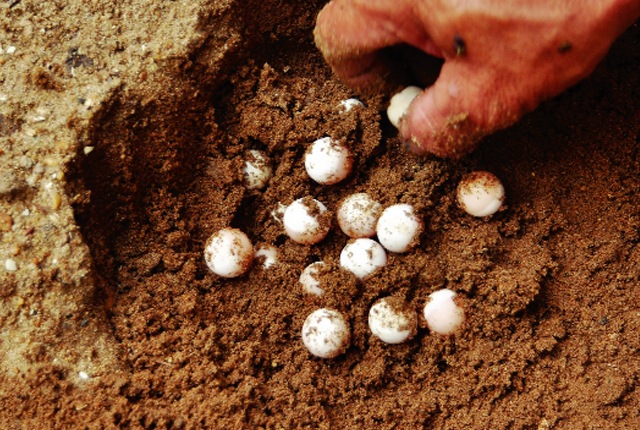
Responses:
[228,253]
[325,333]
[306,221]
[327,161]
[309,279]
[351,103]
[399,228]
[269,254]
[399,104]
[358,215]
[256,170]
[391,321]
[362,257]
[480,194]
[442,313]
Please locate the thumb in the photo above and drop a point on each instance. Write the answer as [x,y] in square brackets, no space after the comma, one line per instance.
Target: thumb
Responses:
[449,118]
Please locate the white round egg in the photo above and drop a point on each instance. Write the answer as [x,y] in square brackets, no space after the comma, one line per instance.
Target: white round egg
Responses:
[362,257]
[399,104]
[309,279]
[351,103]
[327,161]
[399,228]
[358,215]
[441,312]
[480,194]
[257,170]
[325,333]
[269,254]
[392,321]
[306,221]
[228,253]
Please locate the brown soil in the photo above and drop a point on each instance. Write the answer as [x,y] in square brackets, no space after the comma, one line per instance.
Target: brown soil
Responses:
[149,110]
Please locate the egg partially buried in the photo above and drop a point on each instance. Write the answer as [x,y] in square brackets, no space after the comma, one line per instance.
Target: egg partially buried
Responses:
[480,194]
[362,257]
[399,228]
[257,170]
[326,333]
[327,161]
[399,104]
[358,215]
[228,253]
[392,321]
[306,221]
[310,279]
[441,312]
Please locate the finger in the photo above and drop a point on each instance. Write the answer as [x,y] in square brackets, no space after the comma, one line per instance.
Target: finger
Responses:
[355,35]
[449,118]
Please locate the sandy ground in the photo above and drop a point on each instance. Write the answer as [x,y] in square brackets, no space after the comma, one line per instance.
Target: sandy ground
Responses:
[123,130]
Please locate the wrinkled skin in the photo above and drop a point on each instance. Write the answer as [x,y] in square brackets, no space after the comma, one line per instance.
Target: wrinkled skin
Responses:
[501,57]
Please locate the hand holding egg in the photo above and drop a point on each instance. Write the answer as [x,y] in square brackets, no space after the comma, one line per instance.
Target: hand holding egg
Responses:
[500,58]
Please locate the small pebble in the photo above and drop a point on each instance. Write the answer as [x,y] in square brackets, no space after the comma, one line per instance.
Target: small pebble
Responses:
[326,333]
[306,221]
[5,222]
[399,228]
[309,279]
[9,182]
[228,253]
[29,131]
[327,161]
[26,162]
[358,215]
[10,265]
[362,257]
[55,200]
[480,194]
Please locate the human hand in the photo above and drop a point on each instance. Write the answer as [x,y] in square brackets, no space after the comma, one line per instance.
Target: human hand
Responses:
[501,57]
